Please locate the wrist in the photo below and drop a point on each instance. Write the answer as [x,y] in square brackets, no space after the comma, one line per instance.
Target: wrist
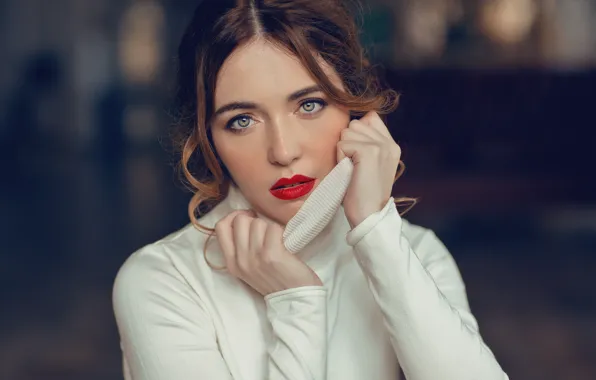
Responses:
[296,293]
[355,219]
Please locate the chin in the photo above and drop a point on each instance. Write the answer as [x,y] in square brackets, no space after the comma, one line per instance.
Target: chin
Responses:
[284,214]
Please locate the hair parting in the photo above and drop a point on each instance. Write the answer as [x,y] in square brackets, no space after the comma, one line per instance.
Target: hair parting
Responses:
[313,31]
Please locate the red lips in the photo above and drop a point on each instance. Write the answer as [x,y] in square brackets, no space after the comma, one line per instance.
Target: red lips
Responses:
[292,188]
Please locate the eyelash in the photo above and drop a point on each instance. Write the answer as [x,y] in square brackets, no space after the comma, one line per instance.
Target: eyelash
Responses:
[318,101]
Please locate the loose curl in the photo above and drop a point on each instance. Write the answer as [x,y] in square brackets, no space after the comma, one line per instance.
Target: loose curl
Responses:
[311,30]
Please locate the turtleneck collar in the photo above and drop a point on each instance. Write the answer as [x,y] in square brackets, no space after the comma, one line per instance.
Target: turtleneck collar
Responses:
[321,250]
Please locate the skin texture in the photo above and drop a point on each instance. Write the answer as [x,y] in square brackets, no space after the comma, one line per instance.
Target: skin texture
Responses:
[283,139]
[280,137]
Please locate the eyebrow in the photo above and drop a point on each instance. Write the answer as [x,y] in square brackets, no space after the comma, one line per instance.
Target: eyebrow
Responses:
[251,106]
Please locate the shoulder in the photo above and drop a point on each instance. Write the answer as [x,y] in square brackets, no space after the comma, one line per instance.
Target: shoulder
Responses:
[162,253]
[173,264]
[156,267]
[160,296]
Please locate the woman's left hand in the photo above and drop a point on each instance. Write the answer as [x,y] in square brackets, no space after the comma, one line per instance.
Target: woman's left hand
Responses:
[375,156]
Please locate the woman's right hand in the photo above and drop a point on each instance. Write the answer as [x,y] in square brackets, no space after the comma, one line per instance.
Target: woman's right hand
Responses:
[254,252]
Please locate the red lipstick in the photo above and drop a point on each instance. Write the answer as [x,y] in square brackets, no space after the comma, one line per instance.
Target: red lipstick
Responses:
[292,188]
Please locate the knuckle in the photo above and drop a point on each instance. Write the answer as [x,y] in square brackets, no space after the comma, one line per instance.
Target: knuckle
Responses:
[268,257]
[257,228]
[218,227]
[244,265]
[239,220]
[260,223]
[354,124]
[274,230]
[222,223]
[233,269]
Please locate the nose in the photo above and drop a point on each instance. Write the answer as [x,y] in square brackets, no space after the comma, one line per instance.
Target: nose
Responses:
[285,143]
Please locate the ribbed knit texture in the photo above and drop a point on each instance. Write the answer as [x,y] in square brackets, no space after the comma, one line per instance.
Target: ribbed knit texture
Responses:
[319,208]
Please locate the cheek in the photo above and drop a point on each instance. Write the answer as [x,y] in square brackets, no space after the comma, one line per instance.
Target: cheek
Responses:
[238,164]
[329,135]
[234,155]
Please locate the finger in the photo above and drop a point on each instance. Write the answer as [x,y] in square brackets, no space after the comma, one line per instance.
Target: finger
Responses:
[230,217]
[240,231]
[223,232]
[355,149]
[369,118]
[272,243]
[374,120]
[367,130]
[258,228]
[352,134]
[362,133]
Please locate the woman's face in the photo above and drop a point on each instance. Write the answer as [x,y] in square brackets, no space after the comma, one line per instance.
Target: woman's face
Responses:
[271,122]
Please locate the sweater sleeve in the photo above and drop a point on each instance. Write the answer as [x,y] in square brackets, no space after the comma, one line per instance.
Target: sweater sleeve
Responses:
[167,333]
[298,318]
[423,300]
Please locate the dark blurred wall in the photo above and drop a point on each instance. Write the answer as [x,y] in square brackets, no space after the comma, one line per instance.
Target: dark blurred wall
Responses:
[496,123]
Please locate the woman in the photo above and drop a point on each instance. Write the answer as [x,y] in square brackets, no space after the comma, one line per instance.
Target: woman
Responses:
[273,93]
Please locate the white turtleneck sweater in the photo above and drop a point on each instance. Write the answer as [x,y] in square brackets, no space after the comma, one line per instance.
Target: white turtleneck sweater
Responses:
[392,297]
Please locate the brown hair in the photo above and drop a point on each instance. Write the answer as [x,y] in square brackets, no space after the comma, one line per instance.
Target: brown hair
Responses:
[308,29]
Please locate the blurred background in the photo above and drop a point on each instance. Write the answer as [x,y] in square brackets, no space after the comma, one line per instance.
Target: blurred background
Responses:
[496,122]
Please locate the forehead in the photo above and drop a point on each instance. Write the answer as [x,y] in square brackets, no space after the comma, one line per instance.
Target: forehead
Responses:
[260,71]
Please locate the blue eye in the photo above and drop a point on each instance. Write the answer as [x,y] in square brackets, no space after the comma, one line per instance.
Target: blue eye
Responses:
[239,123]
[311,106]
